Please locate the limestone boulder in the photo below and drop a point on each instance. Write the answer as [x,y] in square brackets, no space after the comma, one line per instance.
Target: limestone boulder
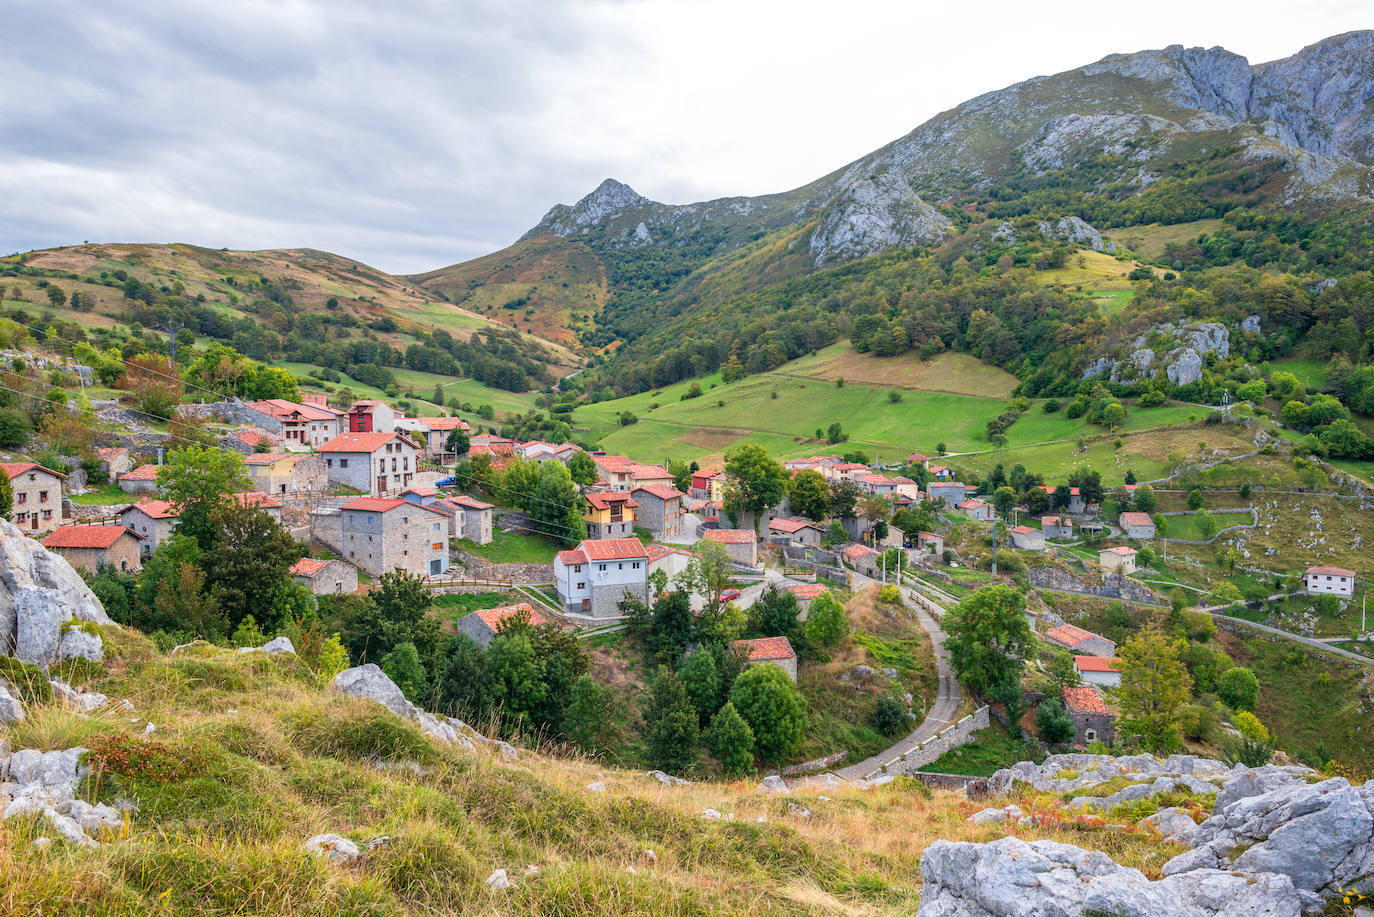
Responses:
[39,594]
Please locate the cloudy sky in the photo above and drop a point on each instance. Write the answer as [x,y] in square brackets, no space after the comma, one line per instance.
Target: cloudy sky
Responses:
[415,133]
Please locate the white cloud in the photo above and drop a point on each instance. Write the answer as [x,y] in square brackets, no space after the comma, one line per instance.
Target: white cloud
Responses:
[414,134]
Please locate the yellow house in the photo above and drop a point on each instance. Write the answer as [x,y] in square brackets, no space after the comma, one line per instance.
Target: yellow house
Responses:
[610,515]
[1118,559]
[271,471]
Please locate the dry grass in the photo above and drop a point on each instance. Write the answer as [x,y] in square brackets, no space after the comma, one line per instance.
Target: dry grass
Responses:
[958,373]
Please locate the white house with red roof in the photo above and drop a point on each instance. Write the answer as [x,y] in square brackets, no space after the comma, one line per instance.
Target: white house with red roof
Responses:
[794,531]
[672,560]
[155,520]
[89,546]
[1329,581]
[1136,525]
[593,578]
[325,577]
[380,534]
[776,651]
[431,434]
[540,451]
[308,426]
[37,505]
[977,509]
[1119,559]
[483,624]
[379,464]
[660,509]
[1099,670]
[1025,538]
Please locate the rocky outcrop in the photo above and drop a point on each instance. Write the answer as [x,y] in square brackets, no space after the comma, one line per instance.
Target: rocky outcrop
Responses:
[1011,877]
[1073,772]
[274,647]
[609,199]
[11,710]
[1320,836]
[1074,229]
[872,214]
[1184,350]
[44,784]
[371,682]
[40,594]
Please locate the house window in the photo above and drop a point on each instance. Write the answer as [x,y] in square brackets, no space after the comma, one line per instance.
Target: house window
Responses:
[602,567]
[1090,735]
[43,498]
[577,568]
[581,585]
[21,497]
[343,463]
[634,566]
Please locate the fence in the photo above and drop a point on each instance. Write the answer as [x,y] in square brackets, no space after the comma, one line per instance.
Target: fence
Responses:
[923,753]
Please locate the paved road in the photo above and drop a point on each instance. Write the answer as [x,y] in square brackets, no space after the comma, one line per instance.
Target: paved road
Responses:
[941,713]
[1307,641]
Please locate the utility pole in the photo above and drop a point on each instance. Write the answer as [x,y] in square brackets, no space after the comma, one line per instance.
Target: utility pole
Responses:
[995,527]
[172,330]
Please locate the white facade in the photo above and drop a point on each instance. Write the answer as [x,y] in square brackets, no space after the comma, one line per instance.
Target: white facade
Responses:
[1329,581]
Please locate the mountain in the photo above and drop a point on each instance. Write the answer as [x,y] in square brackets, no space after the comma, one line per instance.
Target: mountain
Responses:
[1162,136]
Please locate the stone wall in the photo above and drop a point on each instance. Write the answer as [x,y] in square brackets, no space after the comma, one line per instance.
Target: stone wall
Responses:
[520,574]
[945,781]
[815,764]
[952,736]
[1112,586]
[232,411]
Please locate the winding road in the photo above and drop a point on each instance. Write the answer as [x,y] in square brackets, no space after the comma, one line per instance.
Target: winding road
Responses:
[942,712]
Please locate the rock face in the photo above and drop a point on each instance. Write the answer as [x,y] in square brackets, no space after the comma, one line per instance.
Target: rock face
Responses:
[609,199]
[372,683]
[44,784]
[1010,877]
[1184,350]
[1320,836]
[273,647]
[1074,229]
[11,711]
[1069,773]
[872,214]
[39,593]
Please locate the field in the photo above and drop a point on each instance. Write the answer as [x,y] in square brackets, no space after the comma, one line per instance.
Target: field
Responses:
[1150,239]
[1311,373]
[420,385]
[957,373]
[506,548]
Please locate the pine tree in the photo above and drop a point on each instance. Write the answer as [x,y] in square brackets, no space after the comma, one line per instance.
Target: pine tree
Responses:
[731,741]
[585,717]
[701,681]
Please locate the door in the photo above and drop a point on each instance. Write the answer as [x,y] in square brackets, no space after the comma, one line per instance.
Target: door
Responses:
[586,606]
[381,485]
[35,521]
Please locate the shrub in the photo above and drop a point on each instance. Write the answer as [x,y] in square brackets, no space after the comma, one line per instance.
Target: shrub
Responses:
[889,716]
[359,732]
[1250,726]
[1239,688]
[143,760]
[770,703]
[731,741]
[1051,406]
[890,594]
[1053,722]
[27,679]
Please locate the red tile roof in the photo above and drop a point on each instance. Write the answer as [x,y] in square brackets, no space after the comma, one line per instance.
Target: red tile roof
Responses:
[1121,550]
[1097,663]
[857,551]
[1050,488]
[572,557]
[1068,635]
[1055,520]
[309,567]
[444,424]
[660,551]
[1135,519]
[1024,530]
[111,453]
[604,501]
[87,536]
[467,502]
[791,525]
[377,504]
[141,473]
[253,437]
[1330,571]
[266,458]
[729,536]
[806,591]
[494,618]
[155,509]
[255,498]
[1085,699]
[765,649]
[972,504]
[361,442]
[422,491]
[281,409]
[613,549]
[662,491]
[15,469]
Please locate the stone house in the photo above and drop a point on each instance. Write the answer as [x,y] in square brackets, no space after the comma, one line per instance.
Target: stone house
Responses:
[951,492]
[1076,505]
[483,624]
[610,515]
[768,651]
[1057,528]
[1099,670]
[381,534]
[476,517]
[1329,581]
[805,594]
[155,520]
[1119,559]
[379,464]
[1092,721]
[1079,641]
[286,473]
[140,480]
[660,509]
[977,509]
[38,505]
[598,574]
[794,531]
[708,484]
[1136,525]
[930,540]
[325,577]
[89,546]
[432,433]
[1025,538]
[114,461]
[741,544]
[862,558]
[306,426]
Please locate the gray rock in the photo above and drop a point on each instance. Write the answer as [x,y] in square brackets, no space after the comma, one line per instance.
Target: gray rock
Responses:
[272,647]
[339,851]
[1173,824]
[872,213]
[371,682]
[39,592]
[52,770]
[668,779]
[1011,878]
[988,817]
[77,644]
[772,784]
[11,710]
[1250,324]
[597,786]
[1075,229]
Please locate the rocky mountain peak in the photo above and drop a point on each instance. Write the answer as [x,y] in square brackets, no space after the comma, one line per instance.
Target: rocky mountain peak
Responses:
[609,199]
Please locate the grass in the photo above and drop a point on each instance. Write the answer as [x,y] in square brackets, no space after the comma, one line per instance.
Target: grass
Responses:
[508,548]
[103,495]
[991,750]
[454,605]
[1150,239]
[1311,373]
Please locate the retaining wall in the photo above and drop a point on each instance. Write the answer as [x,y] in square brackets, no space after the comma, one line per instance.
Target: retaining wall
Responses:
[952,736]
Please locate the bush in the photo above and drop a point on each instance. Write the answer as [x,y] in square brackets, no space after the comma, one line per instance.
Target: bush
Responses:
[143,760]
[769,702]
[1249,726]
[731,741]
[890,594]
[826,621]
[27,679]
[1051,406]
[889,716]
[1053,722]
[1239,688]
[15,429]
[359,731]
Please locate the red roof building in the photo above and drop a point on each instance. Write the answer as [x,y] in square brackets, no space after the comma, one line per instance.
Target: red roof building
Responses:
[86,536]
[1084,699]
[776,651]
[729,536]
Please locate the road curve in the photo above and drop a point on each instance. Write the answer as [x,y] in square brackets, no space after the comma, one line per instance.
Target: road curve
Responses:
[941,713]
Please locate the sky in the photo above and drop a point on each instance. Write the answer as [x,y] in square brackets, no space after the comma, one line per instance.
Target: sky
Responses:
[413,134]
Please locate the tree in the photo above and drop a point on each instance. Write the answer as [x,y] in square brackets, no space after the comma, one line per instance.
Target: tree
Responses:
[555,507]
[15,429]
[154,383]
[1004,500]
[769,702]
[1154,687]
[171,593]
[1062,670]
[672,734]
[835,535]
[889,715]
[1145,501]
[671,628]
[585,721]
[844,496]
[582,469]
[458,442]
[6,497]
[707,574]
[1238,688]
[1061,497]
[809,494]
[826,621]
[517,683]
[701,681]
[198,481]
[1053,722]
[248,564]
[463,688]
[402,665]
[989,639]
[56,295]
[761,480]
[731,741]
[774,614]
[1195,499]
[1113,415]
[395,612]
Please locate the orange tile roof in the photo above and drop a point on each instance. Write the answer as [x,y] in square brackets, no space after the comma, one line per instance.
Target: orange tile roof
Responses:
[377,504]
[1055,520]
[660,551]
[1050,488]
[281,409]
[494,618]
[613,549]
[154,509]
[110,453]
[442,424]
[1135,519]
[857,551]
[662,491]
[255,498]
[1121,550]
[1085,699]
[87,536]
[1069,635]
[765,649]
[572,557]
[310,567]
[266,458]
[806,591]
[141,473]
[790,526]
[361,442]
[14,469]
[253,437]
[1024,530]
[1330,571]
[729,536]
[1097,663]
[467,502]
[604,501]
